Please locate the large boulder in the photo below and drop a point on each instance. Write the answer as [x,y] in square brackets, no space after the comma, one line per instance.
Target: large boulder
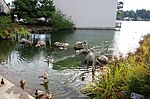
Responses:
[61,45]
[79,45]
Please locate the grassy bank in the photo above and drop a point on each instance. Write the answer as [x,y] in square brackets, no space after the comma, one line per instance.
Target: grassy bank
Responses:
[125,75]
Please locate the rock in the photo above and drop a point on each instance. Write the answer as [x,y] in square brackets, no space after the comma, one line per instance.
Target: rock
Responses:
[25,41]
[40,44]
[102,59]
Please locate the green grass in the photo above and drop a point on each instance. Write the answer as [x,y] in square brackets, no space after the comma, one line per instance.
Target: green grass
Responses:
[126,75]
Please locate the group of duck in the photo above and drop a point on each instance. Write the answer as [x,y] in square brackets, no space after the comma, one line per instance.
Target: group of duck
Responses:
[38,94]
[78,47]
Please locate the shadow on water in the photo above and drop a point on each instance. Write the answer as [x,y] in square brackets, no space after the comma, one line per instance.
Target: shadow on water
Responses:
[6,48]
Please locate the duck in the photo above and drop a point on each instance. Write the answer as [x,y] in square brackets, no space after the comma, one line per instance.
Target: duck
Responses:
[50,59]
[39,94]
[90,59]
[48,96]
[45,76]
[22,83]
[2,81]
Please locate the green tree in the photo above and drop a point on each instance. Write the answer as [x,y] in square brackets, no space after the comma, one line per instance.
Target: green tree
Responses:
[60,21]
[147,15]
[25,8]
[45,8]
[32,9]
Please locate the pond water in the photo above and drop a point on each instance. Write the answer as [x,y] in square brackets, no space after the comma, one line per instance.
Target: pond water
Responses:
[25,62]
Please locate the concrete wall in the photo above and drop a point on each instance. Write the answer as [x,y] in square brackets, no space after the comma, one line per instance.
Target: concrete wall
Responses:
[95,14]
[3,7]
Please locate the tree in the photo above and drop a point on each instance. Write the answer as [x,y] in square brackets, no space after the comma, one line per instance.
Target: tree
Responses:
[45,8]
[24,8]
[60,21]
[33,9]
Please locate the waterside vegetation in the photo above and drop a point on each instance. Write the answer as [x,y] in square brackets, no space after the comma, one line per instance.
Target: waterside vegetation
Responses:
[9,30]
[124,76]
[41,11]
[32,13]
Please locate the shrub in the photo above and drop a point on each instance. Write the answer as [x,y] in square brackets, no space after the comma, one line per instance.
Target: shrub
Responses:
[9,29]
[60,21]
[130,74]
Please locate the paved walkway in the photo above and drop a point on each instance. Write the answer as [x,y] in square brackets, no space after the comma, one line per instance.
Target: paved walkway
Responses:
[10,91]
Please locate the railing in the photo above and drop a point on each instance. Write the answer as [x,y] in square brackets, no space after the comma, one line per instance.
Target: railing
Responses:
[119,14]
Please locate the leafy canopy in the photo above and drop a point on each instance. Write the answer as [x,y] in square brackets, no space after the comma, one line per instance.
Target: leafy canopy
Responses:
[33,8]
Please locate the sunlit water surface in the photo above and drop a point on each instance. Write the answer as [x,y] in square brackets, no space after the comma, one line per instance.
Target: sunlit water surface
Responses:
[21,62]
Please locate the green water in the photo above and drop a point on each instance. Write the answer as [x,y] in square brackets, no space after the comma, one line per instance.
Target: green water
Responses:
[27,62]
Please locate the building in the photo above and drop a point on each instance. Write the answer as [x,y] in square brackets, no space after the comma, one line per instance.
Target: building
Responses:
[4,7]
[89,14]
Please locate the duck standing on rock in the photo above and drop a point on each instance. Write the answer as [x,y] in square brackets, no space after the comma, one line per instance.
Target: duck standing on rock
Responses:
[90,58]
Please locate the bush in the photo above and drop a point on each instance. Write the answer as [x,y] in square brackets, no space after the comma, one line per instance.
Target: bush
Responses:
[5,22]
[9,30]
[130,74]
[60,21]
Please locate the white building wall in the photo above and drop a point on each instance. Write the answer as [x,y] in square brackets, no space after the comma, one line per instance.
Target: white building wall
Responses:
[97,14]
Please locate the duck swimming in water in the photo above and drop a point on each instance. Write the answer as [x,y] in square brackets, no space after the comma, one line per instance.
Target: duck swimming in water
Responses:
[45,76]
[22,83]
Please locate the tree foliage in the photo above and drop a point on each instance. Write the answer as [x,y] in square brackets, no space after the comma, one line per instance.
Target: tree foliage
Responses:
[45,8]
[25,8]
[60,21]
[30,10]
[33,8]
[9,30]
[135,15]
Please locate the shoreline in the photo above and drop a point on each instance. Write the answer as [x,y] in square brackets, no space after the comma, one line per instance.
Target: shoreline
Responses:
[10,90]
